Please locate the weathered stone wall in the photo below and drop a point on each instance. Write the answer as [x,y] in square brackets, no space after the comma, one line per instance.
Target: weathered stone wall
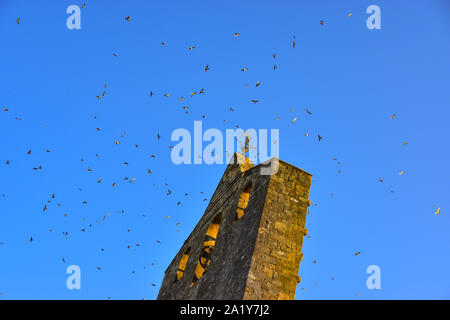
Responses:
[278,251]
[255,257]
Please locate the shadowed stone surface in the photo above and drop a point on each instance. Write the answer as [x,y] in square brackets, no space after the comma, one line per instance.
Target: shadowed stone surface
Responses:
[255,257]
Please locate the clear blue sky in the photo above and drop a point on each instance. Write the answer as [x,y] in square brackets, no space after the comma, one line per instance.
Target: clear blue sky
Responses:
[351,78]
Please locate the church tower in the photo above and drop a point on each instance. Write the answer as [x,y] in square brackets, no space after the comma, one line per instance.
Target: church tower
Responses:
[248,244]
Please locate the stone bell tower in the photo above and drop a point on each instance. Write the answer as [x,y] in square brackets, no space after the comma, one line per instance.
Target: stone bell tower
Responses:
[248,244]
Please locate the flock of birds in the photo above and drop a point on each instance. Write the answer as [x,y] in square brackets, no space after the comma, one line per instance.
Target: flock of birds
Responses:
[244,147]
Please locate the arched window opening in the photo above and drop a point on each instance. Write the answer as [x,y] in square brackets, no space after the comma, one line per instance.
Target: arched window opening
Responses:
[183,264]
[207,248]
[243,202]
